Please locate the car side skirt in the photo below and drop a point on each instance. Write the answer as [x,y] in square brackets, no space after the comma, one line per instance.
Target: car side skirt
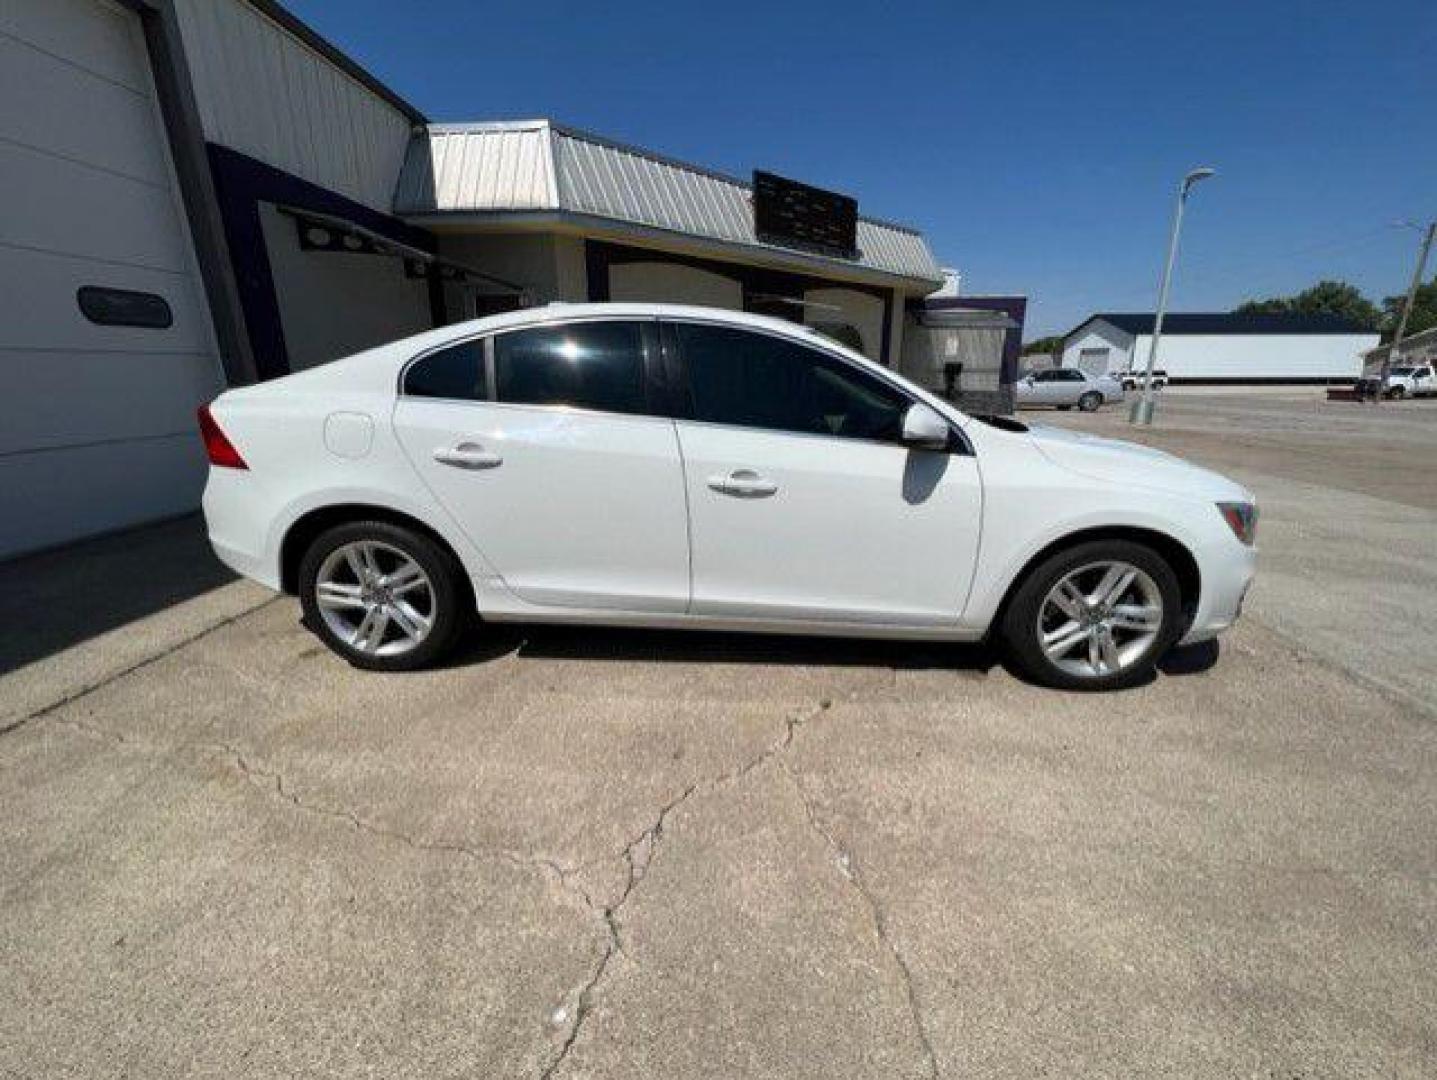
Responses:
[653,621]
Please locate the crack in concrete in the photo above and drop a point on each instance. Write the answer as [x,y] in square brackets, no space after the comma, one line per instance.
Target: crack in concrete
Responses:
[139,665]
[273,783]
[545,865]
[564,875]
[851,874]
[638,855]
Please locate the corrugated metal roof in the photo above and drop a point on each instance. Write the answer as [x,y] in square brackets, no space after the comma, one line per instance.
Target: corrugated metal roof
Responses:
[540,166]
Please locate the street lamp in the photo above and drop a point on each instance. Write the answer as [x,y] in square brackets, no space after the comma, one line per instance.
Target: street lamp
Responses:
[1142,410]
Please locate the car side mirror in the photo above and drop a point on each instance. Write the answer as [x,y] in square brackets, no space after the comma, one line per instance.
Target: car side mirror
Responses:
[925,429]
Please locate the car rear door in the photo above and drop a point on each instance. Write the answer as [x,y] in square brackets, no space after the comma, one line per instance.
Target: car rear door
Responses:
[542,443]
[803,504]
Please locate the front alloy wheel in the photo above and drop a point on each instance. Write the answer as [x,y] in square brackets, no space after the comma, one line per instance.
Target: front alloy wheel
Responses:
[1096,616]
[1100,619]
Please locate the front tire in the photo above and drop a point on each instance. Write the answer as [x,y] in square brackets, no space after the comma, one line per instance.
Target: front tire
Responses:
[383,596]
[1090,401]
[1096,616]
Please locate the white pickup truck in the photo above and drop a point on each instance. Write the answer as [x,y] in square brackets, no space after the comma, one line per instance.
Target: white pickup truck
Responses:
[1410,380]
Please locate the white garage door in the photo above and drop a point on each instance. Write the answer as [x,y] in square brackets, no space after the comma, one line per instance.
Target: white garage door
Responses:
[97,420]
[1094,361]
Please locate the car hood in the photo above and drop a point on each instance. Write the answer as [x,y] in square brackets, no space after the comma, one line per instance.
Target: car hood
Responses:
[1132,466]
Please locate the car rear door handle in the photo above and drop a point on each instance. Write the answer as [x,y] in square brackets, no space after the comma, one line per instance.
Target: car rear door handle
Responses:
[745,483]
[468,455]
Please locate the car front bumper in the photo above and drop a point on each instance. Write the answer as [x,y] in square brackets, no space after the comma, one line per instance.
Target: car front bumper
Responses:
[1225,582]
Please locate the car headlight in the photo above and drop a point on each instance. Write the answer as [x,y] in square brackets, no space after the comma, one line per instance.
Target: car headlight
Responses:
[1241,518]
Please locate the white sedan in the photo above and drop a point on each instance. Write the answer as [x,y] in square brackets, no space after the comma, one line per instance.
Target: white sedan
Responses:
[1063,388]
[681,467]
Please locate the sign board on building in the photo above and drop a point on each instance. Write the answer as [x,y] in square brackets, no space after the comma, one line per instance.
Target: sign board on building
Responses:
[796,215]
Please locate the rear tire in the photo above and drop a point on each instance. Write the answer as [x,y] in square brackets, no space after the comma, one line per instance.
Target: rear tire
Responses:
[1397,393]
[1107,652]
[383,596]
[1090,401]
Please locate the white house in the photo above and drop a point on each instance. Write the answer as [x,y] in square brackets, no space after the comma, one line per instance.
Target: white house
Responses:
[1218,348]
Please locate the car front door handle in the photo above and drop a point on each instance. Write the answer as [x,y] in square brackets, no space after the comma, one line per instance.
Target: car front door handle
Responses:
[744,483]
[468,455]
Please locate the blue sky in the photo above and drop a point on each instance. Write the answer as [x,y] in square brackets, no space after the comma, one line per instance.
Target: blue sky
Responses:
[1036,145]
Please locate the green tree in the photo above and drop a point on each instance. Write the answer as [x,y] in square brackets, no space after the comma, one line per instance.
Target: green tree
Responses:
[1336,298]
[1043,345]
[1424,311]
[1272,306]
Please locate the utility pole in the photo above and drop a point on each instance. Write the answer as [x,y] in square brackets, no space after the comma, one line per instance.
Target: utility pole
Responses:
[1394,349]
[1142,409]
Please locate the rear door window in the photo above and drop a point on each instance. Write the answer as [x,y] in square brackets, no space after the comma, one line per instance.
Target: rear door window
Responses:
[587,365]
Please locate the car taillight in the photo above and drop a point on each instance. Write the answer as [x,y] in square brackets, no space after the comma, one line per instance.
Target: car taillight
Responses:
[221,451]
[1241,518]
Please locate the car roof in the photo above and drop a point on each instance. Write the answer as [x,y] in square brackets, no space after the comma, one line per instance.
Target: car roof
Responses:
[565,312]
[375,368]
[560,311]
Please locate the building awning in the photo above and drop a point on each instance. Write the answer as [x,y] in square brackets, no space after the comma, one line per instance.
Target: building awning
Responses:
[534,173]
[325,232]
[964,318]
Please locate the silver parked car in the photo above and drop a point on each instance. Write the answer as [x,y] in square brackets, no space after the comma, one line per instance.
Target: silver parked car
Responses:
[1063,388]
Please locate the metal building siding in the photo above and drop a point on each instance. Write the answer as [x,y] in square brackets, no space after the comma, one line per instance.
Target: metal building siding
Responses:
[263,92]
[503,168]
[533,165]
[1276,357]
[97,421]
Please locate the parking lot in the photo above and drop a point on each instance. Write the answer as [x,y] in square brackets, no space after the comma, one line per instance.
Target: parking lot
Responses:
[620,854]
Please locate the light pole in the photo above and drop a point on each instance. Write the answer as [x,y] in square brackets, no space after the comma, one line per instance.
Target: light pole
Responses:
[1142,410]
[1394,349]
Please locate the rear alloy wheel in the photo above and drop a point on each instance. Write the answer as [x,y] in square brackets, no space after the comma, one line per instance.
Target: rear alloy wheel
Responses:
[1097,616]
[382,596]
[1397,392]
[1090,401]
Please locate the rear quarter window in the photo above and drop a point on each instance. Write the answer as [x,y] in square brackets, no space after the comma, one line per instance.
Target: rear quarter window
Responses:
[456,372]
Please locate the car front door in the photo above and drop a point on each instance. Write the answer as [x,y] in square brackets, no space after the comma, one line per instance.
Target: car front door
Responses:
[541,443]
[803,503]
[1046,388]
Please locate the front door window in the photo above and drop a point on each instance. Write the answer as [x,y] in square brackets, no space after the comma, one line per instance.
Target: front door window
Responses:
[755,380]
